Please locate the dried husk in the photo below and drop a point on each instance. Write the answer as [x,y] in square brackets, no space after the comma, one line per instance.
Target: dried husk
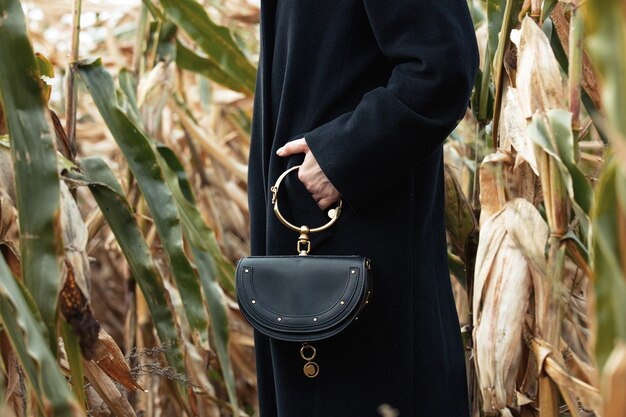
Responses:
[493,173]
[75,289]
[505,264]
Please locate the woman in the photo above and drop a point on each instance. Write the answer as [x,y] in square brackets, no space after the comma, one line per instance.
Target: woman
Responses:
[363,93]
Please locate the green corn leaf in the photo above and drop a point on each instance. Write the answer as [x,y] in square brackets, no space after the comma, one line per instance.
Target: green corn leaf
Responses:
[163,32]
[120,218]
[128,84]
[45,69]
[477,12]
[546,9]
[205,251]
[457,268]
[75,360]
[27,336]
[495,12]
[561,57]
[190,61]
[553,134]
[195,228]
[460,221]
[608,250]
[35,164]
[142,160]
[216,41]
[606,23]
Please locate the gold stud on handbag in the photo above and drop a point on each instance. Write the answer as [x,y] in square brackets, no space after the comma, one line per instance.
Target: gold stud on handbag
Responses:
[303,298]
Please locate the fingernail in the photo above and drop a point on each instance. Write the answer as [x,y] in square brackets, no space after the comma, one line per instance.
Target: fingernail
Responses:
[280,150]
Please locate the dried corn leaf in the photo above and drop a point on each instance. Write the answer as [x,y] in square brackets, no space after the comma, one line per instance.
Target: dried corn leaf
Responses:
[539,83]
[218,153]
[16,389]
[205,399]
[152,94]
[505,265]
[107,390]
[586,394]
[7,176]
[7,215]
[109,358]
[513,129]
[589,80]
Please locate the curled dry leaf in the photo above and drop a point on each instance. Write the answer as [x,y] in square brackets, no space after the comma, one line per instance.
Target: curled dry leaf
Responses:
[505,264]
[539,83]
[109,358]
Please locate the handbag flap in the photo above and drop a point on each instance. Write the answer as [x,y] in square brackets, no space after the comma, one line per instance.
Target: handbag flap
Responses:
[300,293]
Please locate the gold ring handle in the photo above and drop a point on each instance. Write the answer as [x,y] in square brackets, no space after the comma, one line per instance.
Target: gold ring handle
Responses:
[332,213]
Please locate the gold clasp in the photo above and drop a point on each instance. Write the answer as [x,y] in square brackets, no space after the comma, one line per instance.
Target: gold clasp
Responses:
[304,244]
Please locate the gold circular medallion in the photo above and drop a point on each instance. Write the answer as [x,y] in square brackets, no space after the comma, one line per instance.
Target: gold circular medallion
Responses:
[311,369]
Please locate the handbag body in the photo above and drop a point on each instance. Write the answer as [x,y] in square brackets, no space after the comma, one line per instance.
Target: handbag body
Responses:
[303,298]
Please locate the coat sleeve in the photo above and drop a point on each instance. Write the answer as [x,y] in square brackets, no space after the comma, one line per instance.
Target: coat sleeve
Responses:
[432,47]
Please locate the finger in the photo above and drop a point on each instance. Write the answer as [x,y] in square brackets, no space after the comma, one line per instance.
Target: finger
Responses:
[326,202]
[293,147]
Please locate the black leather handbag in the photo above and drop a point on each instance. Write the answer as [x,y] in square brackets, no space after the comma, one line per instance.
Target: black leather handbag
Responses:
[303,298]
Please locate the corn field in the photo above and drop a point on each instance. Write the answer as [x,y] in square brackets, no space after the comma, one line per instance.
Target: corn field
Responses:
[124,130]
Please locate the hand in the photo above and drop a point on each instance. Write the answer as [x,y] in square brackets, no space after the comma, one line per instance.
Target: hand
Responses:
[311,175]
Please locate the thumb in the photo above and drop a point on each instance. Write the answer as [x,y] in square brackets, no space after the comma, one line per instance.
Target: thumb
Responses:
[293,147]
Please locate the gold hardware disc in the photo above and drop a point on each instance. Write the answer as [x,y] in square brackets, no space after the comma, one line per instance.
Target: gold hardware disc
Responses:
[311,369]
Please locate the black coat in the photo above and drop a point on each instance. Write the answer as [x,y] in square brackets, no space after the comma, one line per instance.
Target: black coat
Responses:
[375,86]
